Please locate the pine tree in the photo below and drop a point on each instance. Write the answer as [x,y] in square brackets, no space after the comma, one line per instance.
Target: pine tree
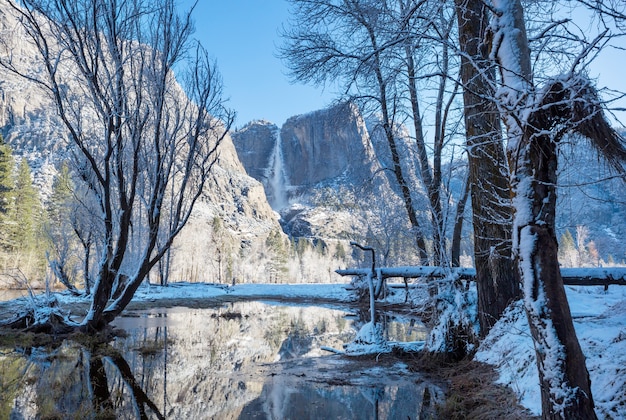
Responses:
[610,260]
[62,254]
[61,198]
[279,255]
[27,211]
[568,255]
[6,175]
[6,193]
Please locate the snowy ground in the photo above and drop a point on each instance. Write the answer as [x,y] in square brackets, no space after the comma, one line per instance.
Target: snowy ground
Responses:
[599,318]
[600,322]
[332,292]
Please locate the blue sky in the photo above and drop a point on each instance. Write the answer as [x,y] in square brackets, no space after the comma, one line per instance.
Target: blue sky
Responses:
[243,36]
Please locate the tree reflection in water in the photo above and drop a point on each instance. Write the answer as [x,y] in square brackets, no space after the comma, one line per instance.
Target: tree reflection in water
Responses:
[71,381]
[137,395]
[241,360]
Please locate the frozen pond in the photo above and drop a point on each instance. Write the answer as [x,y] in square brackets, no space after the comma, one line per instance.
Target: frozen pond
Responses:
[242,360]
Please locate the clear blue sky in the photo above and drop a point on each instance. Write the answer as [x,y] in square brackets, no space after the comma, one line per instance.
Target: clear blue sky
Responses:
[243,36]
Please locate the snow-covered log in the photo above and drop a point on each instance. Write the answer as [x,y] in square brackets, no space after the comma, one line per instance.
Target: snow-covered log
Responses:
[595,276]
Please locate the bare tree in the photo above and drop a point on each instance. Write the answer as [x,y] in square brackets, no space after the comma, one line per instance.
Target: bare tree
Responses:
[536,120]
[419,23]
[143,144]
[344,41]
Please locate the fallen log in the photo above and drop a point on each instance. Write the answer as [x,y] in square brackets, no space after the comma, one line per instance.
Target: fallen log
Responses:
[596,276]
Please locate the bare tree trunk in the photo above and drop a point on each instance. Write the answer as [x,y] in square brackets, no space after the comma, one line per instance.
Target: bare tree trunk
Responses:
[164,268]
[430,174]
[562,373]
[144,144]
[395,156]
[455,250]
[496,279]
[425,169]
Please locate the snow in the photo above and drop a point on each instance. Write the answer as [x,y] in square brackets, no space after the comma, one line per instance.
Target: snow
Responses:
[334,292]
[600,322]
[369,340]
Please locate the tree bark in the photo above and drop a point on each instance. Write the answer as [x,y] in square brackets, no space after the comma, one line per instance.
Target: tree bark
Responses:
[496,279]
[564,380]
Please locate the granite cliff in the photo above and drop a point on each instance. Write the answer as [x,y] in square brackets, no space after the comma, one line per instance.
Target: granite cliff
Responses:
[326,147]
[321,172]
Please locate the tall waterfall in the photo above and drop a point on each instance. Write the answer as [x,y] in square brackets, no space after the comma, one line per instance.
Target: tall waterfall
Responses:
[276,178]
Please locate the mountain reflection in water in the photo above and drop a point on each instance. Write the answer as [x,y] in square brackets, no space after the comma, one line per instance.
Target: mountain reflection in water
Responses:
[243,360]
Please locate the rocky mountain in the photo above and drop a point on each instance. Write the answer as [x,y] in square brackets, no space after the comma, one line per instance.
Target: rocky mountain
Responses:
[232,200]
[318,170]
[325,173]
[256,145]
[328,177]
[322,148]
[326,147]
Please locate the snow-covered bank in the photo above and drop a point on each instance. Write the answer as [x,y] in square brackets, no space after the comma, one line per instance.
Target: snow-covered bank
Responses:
[337,292]
[600,322]
[177,293]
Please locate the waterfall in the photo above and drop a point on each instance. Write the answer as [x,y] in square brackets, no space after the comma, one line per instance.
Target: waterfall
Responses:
[276,178]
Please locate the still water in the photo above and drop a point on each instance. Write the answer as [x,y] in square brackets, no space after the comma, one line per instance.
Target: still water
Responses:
[242,360]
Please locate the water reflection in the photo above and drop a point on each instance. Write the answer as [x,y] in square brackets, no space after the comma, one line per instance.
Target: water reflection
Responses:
[244,360]
[71,382]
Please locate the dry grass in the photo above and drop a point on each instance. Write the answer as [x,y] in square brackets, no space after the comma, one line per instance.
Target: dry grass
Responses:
[472,392]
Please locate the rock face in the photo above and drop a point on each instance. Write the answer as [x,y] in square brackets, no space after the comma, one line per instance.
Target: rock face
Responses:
[255,144]
[318,171]
[323,148]
[259,150]
[326,146]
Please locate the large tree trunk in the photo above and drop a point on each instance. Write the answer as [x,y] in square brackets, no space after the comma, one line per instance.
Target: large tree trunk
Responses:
[564,380]
[496,278]
[533,125]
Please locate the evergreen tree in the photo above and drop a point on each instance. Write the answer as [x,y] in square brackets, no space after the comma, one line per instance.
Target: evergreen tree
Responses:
[340,252]
[278,265]
[61,198]
[63,255]
[568,255]
[567,241]
[6,175]
[27,211]
[6,193]
[22,218]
